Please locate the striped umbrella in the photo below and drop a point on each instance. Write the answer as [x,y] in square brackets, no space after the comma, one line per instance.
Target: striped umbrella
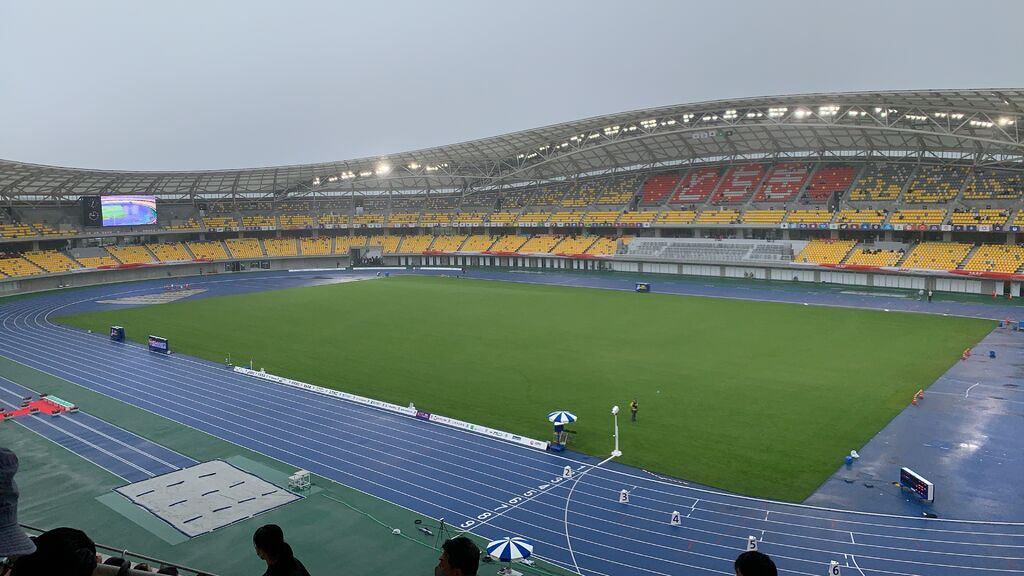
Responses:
[510,549]
[561,417]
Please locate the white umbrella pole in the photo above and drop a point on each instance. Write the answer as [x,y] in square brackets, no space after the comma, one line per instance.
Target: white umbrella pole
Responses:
[615,415]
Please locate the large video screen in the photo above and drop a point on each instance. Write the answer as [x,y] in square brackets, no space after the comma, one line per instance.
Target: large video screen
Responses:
[128,210]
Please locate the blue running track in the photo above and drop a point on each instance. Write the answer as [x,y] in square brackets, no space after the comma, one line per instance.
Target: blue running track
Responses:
[489,487]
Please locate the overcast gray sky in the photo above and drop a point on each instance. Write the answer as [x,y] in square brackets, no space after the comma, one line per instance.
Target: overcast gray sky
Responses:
[179,85]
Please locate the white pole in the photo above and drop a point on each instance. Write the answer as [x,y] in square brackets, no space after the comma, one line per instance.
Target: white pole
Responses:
[615,415]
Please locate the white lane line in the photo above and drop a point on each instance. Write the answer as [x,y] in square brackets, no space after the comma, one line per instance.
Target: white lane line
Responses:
[568,498]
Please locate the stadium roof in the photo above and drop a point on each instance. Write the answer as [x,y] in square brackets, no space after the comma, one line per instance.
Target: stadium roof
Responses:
[981,127]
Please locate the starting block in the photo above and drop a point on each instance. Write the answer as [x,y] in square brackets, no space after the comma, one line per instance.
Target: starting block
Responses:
[751,544]
[624,497]
[677,518]
[567,472]
[834,569]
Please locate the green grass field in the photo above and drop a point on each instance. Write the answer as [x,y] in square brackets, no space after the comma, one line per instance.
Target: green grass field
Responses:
[758,398]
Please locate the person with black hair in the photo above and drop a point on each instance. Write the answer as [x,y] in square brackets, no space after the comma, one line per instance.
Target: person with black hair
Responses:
[64,551]
[272,549]
[755,563]
[459,557]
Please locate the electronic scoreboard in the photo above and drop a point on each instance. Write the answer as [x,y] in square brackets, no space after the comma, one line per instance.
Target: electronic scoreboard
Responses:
[917,484]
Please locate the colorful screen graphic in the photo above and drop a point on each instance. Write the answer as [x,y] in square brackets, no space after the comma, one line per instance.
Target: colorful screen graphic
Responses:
[128,210]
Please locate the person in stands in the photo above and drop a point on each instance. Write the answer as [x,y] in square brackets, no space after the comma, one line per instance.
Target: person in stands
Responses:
[14,543]
[64,551]
[755,563]
[459,557]
[272,549]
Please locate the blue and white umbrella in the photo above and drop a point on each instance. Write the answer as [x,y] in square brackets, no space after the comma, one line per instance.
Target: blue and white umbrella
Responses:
[561,417]
[510,549]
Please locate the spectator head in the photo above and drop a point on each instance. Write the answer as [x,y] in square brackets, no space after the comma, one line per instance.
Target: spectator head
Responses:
[270,544]
[755,564]
[142,567]
[13,540]
[459,557]
[172,570]
[64,551]
[114,561]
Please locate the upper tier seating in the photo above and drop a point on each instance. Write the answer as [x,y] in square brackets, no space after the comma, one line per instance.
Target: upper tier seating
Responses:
[603,247]
[17,231]
[415,244]
[637,218]
[131,254]
[541,243]
[874,257]
[343,243]
[763,217]
[281,247]
[738,184]
[718,216]
[187,224]
[565,218]
[405,219]
[244,248]
[696,185]
[693,250]
[51,261]
[530,218]
[574,245]
[448,243]
[509,243]
[172,252]
[824,251]
[924,216]
[619,191]
[442,202]
[828,180]
[881,182]
[480,200]
[783,182]
[407,203]
[315,246]
[550,195]
[435,219]
[935,185]
[332,219]
[208,250]
[580,197]
[937,255]
[984,217]
[657,188]
[296,221]
[1006,258]
[98,261]
[675,217]
[469,218]
[366,220]
[478,243]
[503,218]
[224,222]
[600,218]
[16,267]
[809,217]
[45,230]
[994,185]
[858,216]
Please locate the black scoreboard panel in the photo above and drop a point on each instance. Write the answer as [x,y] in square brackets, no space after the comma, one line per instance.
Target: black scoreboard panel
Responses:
[917,484]
[92,212]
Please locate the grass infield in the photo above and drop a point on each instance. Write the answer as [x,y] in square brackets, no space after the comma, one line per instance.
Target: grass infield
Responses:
[758,398]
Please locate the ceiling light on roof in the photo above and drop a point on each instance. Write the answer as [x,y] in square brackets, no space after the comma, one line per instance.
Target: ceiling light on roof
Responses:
[801,113]
[1006,121]
[777,112]
[829,110]
[366,173]
[414,166]
[383,168]
[316,181]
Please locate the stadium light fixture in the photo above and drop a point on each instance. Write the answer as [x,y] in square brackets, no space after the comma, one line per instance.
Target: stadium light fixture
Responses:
[382,169]
[777,112]
[366,173]
[1006,121]
[829,110]
[316,181]
[801,113]
[414,166]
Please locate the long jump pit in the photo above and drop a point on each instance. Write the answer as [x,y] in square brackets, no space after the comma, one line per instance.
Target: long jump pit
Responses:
[206,497]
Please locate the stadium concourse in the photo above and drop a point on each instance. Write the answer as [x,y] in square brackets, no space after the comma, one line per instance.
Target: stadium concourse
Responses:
[494,488]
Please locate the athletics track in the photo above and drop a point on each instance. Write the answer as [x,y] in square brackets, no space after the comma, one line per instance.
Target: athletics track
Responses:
[488,486]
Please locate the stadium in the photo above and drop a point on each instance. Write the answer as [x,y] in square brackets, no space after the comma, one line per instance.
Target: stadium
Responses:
[812,299]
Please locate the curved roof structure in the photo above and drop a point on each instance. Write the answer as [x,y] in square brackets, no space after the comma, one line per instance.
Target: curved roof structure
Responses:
[980,127]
